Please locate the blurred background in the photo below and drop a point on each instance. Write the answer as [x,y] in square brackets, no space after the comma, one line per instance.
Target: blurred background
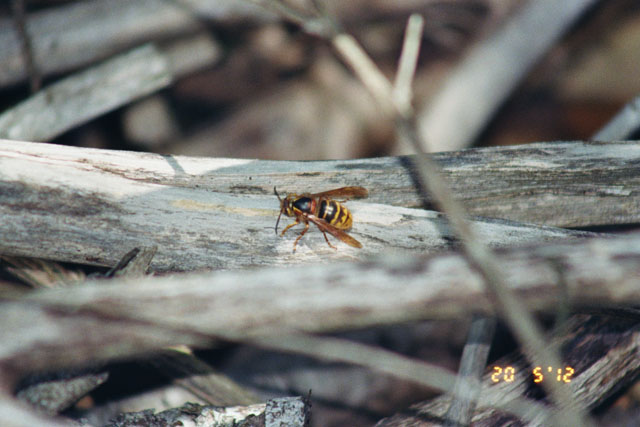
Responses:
[247,84]
[238,81]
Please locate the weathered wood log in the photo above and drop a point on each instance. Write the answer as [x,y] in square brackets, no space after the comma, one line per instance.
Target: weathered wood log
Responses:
[93,206]
[80,33]
[568,184]
[75,325]
[287,411]
[104,87]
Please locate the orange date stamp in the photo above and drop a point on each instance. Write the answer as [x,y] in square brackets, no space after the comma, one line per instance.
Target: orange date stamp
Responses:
[509,373]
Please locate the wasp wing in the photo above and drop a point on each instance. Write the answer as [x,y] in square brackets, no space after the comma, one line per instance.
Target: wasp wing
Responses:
[343,192]
[335,232]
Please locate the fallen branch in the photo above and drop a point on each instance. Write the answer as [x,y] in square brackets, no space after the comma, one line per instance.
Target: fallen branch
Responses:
[77,325]
[488,75]
[104,87]
[81,33]
[93,206]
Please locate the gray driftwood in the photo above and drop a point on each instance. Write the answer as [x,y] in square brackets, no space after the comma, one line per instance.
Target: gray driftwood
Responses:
[93,206]
[567,184]
[75,325]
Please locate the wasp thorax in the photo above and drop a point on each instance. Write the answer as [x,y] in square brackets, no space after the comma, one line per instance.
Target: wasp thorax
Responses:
[329,215]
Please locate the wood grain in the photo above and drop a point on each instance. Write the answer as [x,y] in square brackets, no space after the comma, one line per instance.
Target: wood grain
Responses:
[92,206]
[565,184]
[74,325]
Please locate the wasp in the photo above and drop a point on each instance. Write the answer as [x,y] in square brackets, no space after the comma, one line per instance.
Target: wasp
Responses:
[329,215]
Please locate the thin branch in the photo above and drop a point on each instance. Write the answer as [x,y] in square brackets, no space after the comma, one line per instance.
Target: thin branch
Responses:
[408,61]
[92,92]
[365,69]
[522,323]
[472,365]
[483,80]
[623,125]
[525,328]
[476,350]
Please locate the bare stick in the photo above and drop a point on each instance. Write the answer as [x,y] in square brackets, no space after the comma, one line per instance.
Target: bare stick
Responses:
[476,351]
[365,69]
[90,93]
[623,125]
[408,61]
[524,326]
[472,366]
[481,83]
[81,33]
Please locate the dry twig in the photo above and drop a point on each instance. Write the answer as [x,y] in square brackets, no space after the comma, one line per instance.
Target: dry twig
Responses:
[488,75]
[102,88]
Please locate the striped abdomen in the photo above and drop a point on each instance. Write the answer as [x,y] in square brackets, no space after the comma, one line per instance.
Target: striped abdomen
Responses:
[335,214]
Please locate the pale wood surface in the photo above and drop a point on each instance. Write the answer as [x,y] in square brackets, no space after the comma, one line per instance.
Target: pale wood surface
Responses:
[75,325]
[286,411]
[566,184]
[92,206]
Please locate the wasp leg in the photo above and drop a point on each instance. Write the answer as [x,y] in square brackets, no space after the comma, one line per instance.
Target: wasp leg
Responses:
[306,227]
[290,225]
[327,239]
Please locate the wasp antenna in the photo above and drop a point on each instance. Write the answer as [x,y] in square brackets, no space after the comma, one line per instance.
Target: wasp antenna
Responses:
[278,196]
[277,222]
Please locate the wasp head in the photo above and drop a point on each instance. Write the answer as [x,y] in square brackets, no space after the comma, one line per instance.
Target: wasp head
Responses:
[286,206]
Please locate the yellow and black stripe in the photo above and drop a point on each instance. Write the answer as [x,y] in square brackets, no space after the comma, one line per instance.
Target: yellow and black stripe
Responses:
[335,214]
